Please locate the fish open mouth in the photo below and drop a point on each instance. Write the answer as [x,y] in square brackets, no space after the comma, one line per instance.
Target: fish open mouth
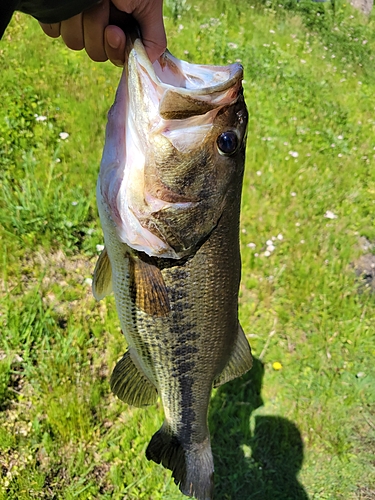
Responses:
[167,104]
[183,89]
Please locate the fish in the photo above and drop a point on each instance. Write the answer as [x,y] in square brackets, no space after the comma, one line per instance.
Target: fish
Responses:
[168,195]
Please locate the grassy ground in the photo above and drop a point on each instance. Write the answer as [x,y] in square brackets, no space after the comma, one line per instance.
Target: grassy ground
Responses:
[301,424]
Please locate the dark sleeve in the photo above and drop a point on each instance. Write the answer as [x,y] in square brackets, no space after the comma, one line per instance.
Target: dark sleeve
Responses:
[6,13]
[45,11]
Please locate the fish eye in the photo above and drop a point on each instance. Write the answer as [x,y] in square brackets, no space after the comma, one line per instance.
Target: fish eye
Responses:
[227,142]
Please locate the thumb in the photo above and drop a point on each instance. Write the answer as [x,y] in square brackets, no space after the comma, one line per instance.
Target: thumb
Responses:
[150,20]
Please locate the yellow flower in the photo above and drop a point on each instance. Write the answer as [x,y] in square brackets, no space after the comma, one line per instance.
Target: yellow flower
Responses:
[277,365]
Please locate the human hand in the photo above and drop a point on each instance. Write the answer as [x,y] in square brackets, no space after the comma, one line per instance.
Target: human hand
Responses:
[91,29]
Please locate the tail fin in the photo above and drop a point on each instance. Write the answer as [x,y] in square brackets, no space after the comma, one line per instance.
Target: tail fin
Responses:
[192,468]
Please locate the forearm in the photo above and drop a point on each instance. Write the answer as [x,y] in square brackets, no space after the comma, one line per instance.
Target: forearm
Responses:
[45,11]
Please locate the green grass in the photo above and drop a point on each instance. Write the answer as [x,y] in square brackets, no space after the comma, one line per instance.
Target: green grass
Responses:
[304,431]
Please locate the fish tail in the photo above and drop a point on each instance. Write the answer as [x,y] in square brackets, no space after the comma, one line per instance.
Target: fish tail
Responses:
[192,466]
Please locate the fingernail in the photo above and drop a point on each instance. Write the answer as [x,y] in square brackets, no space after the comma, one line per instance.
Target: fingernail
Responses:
[114,40]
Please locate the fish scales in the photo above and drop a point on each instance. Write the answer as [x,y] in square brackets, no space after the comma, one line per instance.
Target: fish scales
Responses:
[172,256]
[191,341]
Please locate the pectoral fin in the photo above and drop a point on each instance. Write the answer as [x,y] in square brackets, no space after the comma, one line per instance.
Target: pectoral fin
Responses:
[240,361]
[131,385]
[149,290]
[102,279]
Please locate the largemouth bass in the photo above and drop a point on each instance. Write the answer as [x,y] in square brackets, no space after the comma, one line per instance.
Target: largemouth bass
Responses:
[168,194]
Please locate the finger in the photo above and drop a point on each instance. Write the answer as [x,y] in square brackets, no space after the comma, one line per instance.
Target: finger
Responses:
[95,20]
[114,44]
[52,30]
[150,20]
[72,32]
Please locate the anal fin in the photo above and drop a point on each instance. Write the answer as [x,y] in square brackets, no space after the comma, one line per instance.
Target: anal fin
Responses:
[102,279]
[240,361]
[130,384]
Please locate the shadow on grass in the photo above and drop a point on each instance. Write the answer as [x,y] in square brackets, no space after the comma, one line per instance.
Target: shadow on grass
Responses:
[262,465]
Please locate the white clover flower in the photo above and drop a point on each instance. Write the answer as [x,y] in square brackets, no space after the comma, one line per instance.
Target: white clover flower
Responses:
[267,253]
[293,193]
[63,135]
[269,242]
[340,137]
[251,245]
[40,118]
[294,154]
[74,203]
[259,173]
[330,215]
[88,281]
[272,31]
[280,237]
[99,248]
[270,248]
[303,61]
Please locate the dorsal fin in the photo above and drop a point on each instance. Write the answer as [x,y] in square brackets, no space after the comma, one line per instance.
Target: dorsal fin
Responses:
[240,361]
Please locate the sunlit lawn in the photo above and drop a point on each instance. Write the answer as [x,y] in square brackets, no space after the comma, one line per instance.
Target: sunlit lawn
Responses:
[301,424]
